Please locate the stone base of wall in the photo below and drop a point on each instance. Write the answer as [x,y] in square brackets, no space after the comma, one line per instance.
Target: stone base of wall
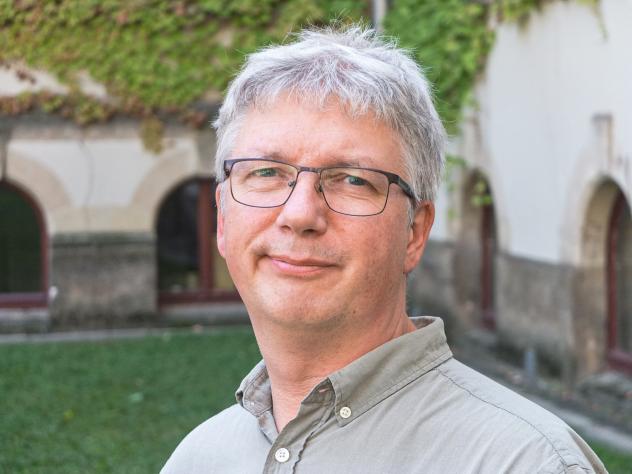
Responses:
[205,313]
[28,320]
[556,310]
[431,286]
[534,308]
[103,280]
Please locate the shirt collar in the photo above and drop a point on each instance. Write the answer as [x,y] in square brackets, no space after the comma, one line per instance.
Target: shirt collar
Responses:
[369,379]
[386,369]
[254,392]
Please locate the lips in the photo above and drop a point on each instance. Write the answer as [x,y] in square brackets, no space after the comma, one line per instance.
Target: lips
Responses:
[298,266]
[301,262]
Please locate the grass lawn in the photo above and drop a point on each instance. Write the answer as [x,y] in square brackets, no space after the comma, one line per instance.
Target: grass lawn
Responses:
[116,406]
[615,462]
[122,406]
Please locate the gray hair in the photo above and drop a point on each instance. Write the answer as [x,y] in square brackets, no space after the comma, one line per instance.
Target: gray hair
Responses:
[364,72]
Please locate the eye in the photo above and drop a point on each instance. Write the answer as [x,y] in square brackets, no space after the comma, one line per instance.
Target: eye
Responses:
[265,172]
[355,181]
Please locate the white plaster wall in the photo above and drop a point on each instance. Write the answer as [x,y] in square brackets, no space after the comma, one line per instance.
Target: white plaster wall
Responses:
[554,117]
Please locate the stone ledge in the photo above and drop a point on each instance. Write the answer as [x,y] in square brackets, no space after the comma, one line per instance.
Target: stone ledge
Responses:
[210,313]
[33,320]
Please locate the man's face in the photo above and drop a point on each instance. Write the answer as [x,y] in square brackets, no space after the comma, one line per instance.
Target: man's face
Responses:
[302,264]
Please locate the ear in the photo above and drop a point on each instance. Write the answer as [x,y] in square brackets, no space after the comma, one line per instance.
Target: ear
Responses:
[418,234]
[220,220]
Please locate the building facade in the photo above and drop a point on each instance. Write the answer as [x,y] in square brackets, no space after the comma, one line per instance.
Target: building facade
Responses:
[98,231]
[533,240]
[532,243]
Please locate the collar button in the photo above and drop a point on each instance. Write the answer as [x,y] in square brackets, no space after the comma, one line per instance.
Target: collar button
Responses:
[345,412]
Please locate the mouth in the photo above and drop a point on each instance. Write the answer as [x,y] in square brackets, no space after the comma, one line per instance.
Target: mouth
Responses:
[299,266]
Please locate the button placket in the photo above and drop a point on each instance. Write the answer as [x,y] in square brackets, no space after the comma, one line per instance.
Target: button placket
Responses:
[288,446]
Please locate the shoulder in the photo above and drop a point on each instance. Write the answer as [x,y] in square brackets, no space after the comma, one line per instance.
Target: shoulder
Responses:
[207,446]
[515,427]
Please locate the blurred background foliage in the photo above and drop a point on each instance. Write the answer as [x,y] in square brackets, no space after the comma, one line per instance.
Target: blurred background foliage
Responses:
[155,57]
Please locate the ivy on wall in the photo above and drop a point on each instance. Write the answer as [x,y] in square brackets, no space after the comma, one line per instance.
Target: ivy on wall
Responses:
[154,56]
[452,38]
[163,57]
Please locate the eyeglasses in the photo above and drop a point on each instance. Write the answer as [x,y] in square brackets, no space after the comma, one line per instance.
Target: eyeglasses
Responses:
[353,191]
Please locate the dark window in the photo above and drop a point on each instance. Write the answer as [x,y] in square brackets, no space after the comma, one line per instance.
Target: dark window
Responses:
[178,266]
[620,285]
[488,258]
[189,265]
[22,250]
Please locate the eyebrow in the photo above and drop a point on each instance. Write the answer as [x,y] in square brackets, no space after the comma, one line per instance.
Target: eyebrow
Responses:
[344,161]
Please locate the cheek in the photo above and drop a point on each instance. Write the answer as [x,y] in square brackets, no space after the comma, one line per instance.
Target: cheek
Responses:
[234,237]
[242,226]
[382,254]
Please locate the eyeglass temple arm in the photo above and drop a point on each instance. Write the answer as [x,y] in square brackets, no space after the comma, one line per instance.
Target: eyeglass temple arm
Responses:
[396,179]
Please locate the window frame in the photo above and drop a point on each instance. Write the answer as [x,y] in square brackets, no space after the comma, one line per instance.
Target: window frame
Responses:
[206,228]
[616,358]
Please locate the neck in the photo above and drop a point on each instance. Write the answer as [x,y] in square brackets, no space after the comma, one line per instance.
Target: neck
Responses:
[298,359]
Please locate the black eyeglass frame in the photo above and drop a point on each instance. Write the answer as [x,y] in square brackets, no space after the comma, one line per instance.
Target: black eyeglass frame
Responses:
[392,179]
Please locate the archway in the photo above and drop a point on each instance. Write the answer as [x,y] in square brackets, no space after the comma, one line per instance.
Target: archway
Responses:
[23,250]
[599,304]
[190,268]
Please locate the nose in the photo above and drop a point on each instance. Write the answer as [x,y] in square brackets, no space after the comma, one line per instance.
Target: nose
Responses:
[305,212]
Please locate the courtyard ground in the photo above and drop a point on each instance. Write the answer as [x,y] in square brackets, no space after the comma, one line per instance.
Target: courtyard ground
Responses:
[122,405]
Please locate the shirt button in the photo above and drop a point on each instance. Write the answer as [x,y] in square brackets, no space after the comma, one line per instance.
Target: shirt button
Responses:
[345,412]
[282,455]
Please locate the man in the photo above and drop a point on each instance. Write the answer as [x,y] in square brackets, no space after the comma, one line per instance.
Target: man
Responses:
[329,157]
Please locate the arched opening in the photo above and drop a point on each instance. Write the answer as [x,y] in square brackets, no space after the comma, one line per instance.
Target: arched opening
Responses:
[598,296]
[23,250]
[476,253]
[619,285]
[190,268]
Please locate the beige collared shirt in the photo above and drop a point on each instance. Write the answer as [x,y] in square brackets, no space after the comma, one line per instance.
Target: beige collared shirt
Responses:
[406,407]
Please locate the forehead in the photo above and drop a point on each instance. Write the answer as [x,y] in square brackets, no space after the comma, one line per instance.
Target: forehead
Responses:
[308,133]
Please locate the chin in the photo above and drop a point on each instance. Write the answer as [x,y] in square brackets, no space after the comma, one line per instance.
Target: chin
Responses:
[299,315]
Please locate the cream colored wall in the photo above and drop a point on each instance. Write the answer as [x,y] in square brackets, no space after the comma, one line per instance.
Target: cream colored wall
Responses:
[553,118]
[105,181]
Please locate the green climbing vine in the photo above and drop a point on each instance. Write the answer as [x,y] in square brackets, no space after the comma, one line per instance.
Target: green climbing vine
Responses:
[452,38]
[155,57]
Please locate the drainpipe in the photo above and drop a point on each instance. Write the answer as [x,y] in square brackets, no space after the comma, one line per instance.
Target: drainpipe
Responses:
[379,8]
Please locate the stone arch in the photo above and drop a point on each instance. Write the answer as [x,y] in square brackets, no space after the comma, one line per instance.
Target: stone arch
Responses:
[475,252]
[46,190]
[590,286]
[160,182]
